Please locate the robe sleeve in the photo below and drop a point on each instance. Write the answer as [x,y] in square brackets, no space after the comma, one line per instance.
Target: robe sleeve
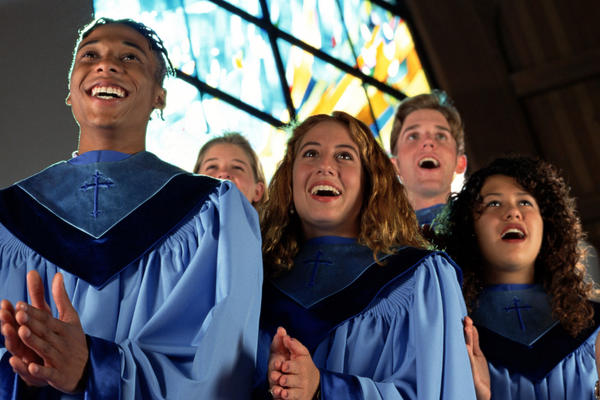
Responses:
[204,335]
[179,323]
[425,359]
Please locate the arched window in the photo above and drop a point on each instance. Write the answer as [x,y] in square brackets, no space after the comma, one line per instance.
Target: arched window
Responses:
[253,65]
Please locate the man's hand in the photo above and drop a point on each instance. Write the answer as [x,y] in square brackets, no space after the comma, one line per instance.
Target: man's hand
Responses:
[60,344]
[23,355]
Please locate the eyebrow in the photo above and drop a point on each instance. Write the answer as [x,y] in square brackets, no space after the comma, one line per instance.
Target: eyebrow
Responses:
[216,158]
[130,44]
[500,194]
[443,128]
[345,146]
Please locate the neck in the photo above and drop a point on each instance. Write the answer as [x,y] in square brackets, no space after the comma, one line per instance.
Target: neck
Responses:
[509,277]
[110,140]
[419,202]
[310,232]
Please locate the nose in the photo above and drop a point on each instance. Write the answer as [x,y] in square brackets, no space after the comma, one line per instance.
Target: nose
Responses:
[427,142]
[108,64]
[224,174]
[326,166]
[513,212]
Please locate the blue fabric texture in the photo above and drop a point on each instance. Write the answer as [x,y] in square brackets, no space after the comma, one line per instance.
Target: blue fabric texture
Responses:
[555,367]
[97,260]
[181,319]
[7,385]
[98,156]
[315,263]
[96,196]
[407,343]
[425,216]
[340,386]
[521,315]
[104,366]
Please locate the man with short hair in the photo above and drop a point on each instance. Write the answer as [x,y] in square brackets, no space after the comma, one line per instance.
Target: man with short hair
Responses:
[125,277]
[428,149]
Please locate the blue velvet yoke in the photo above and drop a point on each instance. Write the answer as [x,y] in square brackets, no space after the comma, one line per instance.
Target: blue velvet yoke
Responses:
[537,360]
[310,319]
[45,212]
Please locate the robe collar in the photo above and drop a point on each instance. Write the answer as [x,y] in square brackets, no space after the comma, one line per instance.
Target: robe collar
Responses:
[96,156]
[535,351]
[321,269]
[521,313]
[93,195]
[337,295]
[146,200]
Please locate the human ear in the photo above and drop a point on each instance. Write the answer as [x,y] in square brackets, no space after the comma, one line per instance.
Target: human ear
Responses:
[68,99]
[259,189]
[394,161]
[161,99]
[461,164]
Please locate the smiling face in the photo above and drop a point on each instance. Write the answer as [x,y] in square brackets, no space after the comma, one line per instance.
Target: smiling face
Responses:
[113,88]
[509,231]
[427,158]
[328,182]
[228,161]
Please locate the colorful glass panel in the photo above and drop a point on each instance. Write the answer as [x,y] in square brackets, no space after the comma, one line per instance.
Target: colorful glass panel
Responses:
[349,45]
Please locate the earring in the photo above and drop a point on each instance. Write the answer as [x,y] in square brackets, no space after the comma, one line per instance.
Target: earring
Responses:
[292,209]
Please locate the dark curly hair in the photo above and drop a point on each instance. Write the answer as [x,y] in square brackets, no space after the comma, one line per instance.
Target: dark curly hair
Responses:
[386,218]
[557,265]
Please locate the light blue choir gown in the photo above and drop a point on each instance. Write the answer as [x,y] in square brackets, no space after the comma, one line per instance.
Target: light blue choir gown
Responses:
[163,267]
[375,332]
[530,355]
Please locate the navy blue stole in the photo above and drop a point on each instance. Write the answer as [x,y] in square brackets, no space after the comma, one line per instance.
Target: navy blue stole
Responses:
[96,258]
[311,318]
[531,355]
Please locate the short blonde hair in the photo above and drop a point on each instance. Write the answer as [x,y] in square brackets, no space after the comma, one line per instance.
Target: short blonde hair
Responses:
[237,139]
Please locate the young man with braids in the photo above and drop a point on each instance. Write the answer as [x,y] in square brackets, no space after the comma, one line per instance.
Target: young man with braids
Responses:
[125,277]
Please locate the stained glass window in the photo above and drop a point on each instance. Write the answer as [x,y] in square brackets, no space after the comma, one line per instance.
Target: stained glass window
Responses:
[251,66]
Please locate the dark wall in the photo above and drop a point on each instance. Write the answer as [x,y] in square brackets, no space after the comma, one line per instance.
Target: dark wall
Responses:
[36,42]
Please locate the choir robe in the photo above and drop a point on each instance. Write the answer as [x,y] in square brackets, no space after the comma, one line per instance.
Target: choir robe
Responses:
[163,267]
[530,355]
[375,332]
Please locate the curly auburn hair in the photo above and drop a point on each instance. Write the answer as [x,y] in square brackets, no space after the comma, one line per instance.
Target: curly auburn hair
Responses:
[386,218]
[556,266]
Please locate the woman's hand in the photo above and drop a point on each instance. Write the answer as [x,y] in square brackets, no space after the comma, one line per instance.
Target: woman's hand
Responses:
[479,365]
[292,375]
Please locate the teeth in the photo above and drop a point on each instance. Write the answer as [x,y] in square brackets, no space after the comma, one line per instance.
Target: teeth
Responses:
[435,162]
[513,231]
[106,92]
[324,188]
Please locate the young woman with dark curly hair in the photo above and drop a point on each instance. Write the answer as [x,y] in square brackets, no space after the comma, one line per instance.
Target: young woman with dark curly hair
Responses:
[514,231]
[374,315]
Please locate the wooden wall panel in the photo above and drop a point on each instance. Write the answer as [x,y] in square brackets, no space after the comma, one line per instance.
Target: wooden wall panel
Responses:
[549,51]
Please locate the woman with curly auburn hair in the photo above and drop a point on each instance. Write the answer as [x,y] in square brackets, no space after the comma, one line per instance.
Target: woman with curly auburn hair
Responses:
[374,315]
[514,231]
